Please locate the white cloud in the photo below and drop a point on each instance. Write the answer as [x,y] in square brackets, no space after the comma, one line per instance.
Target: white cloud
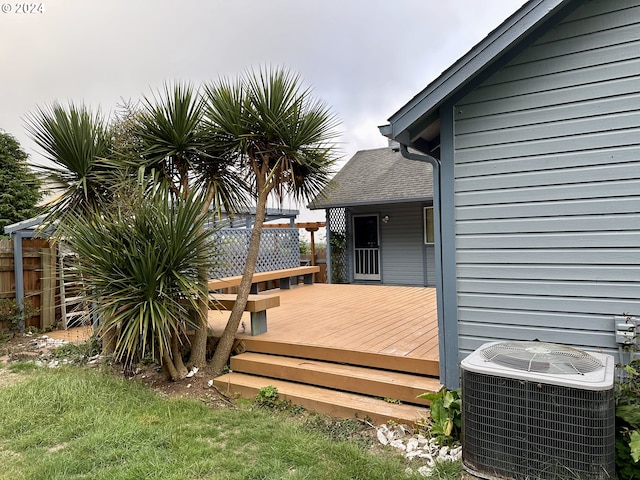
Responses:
[365,58]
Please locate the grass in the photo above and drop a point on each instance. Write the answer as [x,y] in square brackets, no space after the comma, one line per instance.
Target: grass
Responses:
[75,423]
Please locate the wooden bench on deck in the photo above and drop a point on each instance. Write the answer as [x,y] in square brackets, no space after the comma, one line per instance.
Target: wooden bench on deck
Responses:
[257,305]
[283,275]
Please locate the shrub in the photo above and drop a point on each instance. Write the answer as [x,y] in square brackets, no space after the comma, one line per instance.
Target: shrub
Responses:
[446,415]
[267,396]
[628,423]
[11,314]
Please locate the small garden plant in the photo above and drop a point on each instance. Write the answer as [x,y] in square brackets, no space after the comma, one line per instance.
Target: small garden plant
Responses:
[628,424]
[267,396]
[628,412]
[446,416]
[11,314]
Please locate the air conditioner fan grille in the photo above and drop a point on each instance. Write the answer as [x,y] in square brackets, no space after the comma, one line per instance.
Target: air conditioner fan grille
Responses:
[541,357]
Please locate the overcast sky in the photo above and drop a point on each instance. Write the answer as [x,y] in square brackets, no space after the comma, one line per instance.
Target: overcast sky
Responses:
[364,58]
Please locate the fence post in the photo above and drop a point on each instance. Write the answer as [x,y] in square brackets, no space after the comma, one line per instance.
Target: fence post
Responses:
[48,291]
[18,276]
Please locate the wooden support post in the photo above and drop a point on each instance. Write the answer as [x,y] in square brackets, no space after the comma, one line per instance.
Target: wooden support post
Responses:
[313,245]
[312,230]
[19,276]
[48,282]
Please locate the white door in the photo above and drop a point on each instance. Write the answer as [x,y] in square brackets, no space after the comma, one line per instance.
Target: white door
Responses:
[366,252]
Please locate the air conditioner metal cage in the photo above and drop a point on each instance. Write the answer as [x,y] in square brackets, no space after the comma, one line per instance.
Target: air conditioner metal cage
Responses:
[524,425]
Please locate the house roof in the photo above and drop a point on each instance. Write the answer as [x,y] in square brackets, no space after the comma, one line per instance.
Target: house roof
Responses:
[375,177]
[419,118]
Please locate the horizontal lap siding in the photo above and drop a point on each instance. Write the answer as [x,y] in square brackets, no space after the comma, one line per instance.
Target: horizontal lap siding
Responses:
[404,258]
[547,187]
[402,243]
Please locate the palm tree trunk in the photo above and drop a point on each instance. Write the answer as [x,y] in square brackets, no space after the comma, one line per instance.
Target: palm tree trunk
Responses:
[109,338]
[168,367]
[198,357]
[225,345]
[179,367]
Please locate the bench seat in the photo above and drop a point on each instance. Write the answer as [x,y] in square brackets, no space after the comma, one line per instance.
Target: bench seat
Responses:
[284,275]
[257,305]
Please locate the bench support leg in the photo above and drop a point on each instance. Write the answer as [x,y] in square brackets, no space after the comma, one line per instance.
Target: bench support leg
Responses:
[258,322]
[254,289]
[308,279]
[285,283]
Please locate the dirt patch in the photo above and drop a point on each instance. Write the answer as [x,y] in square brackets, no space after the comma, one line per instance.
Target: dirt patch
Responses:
[199,386]
[9,378]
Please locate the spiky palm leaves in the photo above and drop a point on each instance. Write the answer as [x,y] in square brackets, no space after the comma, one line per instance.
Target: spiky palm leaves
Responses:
[180,146]
[276,130]
[282,140]
[143,265]
[262,133]
[77,142]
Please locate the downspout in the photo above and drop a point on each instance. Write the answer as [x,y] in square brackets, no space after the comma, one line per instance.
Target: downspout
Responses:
[437,220]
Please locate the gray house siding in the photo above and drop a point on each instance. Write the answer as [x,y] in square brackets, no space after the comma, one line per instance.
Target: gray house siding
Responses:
[404,257]
[547,187]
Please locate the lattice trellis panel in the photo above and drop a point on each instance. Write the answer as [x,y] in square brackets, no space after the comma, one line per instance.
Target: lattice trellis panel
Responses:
[279,249]
[338,243]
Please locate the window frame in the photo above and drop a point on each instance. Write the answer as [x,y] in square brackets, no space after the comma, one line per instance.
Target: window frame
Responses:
[428,225]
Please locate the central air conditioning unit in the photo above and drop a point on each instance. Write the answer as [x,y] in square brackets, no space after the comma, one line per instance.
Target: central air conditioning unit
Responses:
[534,410]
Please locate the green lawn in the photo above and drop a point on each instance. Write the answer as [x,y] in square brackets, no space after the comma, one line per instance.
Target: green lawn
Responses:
[75,423]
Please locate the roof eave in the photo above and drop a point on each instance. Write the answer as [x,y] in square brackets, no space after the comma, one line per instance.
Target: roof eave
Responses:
[370,202]
[506,36]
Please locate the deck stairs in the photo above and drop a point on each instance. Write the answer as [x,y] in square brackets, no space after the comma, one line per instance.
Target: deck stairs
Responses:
[338,383]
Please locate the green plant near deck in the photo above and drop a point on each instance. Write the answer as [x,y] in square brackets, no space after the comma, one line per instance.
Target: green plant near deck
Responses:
[628,424]
[78,352]
[338,245]
[267,396]
[141,260]
[446,415]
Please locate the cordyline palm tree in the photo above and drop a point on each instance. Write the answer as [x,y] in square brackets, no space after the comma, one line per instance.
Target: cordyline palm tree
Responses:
[76,141]
[176,144]
[94,162]
[142,264]
[78,144]
[283,143]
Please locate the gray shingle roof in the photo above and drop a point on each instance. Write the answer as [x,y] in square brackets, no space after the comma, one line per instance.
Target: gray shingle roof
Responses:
[374,177]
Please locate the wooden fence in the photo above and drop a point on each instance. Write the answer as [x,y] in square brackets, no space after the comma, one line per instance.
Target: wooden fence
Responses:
[39,277]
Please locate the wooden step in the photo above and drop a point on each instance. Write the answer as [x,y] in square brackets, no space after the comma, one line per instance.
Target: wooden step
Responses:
[317,399]
[366,359]
[368,381]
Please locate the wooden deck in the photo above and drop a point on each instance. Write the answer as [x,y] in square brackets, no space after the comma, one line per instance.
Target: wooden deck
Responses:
[362,324]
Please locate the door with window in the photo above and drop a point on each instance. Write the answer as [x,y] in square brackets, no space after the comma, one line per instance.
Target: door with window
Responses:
[366,244]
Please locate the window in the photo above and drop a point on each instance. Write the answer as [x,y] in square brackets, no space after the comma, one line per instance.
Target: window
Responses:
[429,237]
